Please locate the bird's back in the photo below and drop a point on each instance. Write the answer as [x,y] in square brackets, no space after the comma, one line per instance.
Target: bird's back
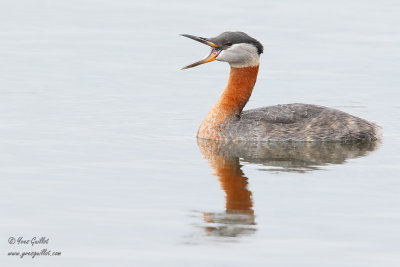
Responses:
[298,122]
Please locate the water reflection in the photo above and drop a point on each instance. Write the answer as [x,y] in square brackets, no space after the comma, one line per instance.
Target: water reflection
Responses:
[224,158]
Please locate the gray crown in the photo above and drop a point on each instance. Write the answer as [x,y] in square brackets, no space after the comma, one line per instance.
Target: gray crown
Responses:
[227,39]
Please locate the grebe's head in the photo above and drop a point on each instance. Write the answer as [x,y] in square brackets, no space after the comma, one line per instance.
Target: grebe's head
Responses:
[236,48]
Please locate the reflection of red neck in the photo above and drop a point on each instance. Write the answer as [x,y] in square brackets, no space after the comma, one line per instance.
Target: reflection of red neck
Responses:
[234,183]
[232,101]
[228,170]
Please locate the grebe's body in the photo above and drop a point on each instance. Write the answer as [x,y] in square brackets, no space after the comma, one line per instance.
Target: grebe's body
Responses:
[290,122]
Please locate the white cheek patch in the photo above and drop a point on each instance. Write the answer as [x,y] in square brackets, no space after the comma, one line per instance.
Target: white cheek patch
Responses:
[240,55]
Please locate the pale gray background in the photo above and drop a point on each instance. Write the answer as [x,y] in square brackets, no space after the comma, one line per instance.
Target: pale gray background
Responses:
[97,132]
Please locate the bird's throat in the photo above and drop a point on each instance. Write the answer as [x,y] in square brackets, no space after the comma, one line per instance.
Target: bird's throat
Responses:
[231,103]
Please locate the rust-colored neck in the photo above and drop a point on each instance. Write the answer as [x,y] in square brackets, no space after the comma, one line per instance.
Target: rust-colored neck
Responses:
[232,101]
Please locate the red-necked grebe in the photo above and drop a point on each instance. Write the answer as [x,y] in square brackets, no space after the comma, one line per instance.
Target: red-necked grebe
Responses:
[289,122]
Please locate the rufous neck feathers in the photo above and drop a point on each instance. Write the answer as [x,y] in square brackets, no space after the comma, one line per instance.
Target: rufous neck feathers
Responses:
[232,101]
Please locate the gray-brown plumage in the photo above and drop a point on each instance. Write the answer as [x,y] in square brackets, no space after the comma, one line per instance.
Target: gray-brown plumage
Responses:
[298,122]
[291,122]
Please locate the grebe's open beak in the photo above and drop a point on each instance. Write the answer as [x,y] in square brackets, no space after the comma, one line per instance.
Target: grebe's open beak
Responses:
[215,50]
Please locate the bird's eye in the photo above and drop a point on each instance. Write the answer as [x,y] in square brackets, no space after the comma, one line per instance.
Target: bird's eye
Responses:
[228,44]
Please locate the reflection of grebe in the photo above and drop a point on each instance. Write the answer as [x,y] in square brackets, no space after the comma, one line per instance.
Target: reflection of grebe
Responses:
[284,156]
[238,203]
[223,157]
[291,122]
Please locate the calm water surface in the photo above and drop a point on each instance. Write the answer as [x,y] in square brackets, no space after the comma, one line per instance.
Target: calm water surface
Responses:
[97,135]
